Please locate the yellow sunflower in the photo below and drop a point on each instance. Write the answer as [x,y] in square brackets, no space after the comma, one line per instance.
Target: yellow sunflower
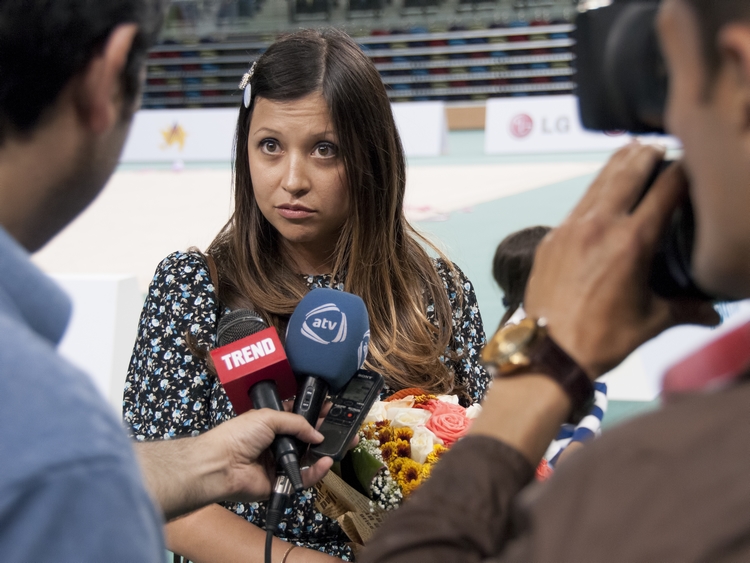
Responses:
[437,451]
[426,471]
[395,464]
[403,448]
[409,476]
[404,433]
[388,451]
[385,435]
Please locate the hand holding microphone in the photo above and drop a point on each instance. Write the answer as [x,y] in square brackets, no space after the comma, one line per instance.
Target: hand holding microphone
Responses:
[252,367]
[243,443]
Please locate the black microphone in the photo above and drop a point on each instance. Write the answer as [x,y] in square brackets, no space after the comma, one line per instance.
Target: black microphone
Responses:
[253,368]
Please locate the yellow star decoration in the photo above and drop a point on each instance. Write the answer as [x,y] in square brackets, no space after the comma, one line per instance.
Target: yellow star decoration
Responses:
[174,135]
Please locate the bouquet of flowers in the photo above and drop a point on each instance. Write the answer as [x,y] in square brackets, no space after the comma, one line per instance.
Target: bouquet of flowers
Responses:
[402,439]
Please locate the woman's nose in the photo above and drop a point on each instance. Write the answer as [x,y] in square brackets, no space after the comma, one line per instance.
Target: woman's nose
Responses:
[296,179]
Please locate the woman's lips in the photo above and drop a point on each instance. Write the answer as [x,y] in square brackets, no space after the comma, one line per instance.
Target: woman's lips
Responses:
[294,211]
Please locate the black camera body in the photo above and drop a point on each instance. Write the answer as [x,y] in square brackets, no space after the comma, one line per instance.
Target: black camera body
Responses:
[621,84]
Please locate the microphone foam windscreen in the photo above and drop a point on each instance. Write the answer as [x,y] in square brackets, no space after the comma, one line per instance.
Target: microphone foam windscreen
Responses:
[328,335]
[238,324]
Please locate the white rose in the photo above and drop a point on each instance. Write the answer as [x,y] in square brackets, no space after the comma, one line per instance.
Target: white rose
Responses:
[405,403]
[410,418]
[422,443]
[377,412]
[448,399]
[474,411]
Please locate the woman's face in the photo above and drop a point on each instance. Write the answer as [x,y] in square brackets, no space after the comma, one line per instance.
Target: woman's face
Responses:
[298,176]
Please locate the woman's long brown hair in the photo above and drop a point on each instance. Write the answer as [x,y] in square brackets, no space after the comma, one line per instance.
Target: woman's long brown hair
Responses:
[378,255]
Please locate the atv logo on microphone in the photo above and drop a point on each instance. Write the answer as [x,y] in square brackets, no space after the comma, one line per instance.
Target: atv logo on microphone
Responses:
[363,348]
[325,324]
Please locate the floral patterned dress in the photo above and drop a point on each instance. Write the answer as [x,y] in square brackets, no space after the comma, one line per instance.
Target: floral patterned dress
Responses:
[170,393]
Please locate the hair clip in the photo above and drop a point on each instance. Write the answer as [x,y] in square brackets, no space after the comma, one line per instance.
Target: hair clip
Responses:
[246,86]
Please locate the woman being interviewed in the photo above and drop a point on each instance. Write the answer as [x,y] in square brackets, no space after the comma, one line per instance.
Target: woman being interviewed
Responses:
[319,180]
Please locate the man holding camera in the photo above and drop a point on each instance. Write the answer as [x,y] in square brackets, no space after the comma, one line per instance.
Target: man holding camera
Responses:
[672,485]
[70,487]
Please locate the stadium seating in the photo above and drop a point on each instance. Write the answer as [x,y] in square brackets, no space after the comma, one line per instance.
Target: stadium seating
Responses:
[456,63]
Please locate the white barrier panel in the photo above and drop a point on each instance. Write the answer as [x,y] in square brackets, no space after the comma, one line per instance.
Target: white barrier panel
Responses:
[102,330]
[422,126]
[186,135]
[639,377]
[541,124]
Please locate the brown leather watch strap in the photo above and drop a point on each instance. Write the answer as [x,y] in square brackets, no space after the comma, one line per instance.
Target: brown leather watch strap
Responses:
[548,358]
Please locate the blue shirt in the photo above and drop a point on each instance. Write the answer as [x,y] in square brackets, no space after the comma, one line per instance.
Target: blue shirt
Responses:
[70,488]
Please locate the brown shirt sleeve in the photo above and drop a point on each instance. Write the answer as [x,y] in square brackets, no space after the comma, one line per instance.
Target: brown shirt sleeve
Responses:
[671,486]
[461,514]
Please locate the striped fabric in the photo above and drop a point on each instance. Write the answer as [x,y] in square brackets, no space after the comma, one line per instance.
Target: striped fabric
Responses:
[590,426]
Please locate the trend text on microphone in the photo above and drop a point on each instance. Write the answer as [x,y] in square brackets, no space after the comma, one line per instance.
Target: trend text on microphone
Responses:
[247,354]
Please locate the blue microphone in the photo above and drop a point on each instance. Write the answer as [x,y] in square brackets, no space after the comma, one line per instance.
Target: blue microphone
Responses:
[326,343]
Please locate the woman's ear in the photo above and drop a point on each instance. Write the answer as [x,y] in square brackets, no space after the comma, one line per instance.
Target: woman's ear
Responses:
[99,95]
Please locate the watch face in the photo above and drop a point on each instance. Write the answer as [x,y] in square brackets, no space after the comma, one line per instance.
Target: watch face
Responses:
[506,350]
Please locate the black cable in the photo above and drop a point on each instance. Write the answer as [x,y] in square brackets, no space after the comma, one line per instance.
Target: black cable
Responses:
[269,543]
[282,492]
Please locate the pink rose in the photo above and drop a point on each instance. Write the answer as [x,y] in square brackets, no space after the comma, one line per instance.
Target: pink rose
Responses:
[448,421]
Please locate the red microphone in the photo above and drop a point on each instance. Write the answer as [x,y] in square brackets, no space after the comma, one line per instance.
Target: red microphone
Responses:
[245,362]
[253,369]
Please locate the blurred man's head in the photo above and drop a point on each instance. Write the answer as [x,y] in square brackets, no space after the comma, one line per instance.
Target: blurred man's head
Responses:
[44,43]
[707,47]
[70,80]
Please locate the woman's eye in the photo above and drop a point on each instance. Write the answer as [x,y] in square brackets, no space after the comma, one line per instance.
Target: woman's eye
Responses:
[326,150]
[269,146]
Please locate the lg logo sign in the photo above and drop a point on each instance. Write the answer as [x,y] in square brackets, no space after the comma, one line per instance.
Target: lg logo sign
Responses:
[522,125]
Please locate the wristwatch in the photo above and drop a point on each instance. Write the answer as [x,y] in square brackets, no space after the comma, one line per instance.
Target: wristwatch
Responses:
[527,347]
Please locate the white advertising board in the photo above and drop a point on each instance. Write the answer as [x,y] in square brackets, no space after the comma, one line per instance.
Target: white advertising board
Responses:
[546,124]
[181,135]
[422,126]
[207,135]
